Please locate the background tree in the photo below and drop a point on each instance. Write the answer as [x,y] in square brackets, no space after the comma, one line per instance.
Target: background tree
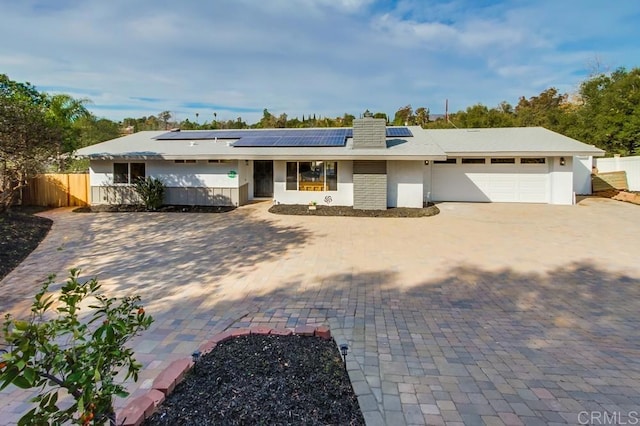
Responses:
[404,116]
[281,121]
[90,131]
[165,117]
[608,114]
[381,115]
[29,137]
[268,121]
[546,110]
[65,111]
[422,116]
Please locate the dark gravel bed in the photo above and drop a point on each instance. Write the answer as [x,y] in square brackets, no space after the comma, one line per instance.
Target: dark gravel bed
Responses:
[124,208]
[20,234]
[303,210]
[264,380]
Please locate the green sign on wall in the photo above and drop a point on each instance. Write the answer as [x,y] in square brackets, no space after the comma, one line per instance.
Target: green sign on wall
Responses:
[232,174]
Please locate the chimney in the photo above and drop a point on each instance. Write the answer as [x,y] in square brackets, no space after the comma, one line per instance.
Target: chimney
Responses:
[369,132]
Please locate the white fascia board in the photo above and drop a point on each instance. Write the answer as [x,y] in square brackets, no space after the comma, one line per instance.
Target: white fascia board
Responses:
[253,156]
[524,154]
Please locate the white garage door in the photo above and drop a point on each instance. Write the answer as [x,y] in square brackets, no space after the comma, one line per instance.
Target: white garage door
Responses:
[511,183]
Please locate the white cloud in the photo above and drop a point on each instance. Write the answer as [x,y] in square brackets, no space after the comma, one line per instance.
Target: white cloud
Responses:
[310,56]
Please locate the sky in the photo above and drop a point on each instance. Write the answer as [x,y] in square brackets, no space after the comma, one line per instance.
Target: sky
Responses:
[323,57]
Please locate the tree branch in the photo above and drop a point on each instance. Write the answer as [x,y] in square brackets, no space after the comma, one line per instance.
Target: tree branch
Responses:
[60,383]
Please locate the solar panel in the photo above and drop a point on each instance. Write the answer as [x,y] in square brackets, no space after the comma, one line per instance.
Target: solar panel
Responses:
[290,141]
[402,132]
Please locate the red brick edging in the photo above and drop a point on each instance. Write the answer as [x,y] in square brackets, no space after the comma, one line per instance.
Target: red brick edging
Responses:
[144,406]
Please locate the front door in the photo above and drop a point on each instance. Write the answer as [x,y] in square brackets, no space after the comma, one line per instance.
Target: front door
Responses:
[263,178]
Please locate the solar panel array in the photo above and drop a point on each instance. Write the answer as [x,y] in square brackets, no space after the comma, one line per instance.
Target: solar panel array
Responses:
[279,137]
[290,141]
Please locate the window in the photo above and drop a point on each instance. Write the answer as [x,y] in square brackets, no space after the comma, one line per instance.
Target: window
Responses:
[128,172]
[292,176]
[184,161]
[312,176]
[503,161]
[447,161]
[120,172]
[473,161]
[533,160]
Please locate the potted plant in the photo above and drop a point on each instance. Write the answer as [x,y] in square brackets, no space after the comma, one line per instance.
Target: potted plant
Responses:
[313,205]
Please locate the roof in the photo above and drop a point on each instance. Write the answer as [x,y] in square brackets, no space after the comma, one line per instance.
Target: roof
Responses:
[426,144]
[513,141]
[144,145]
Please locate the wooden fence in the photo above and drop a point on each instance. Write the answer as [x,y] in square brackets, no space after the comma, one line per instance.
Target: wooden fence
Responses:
[57,190]
[610,180]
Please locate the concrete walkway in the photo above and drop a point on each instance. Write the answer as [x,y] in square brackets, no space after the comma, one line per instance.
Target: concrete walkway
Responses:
[485,314]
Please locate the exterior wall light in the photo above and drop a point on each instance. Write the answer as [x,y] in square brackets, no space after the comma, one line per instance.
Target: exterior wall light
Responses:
[562,161]
[426,162]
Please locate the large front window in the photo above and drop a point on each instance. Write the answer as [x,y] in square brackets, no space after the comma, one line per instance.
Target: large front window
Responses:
[312,175]
[128,172]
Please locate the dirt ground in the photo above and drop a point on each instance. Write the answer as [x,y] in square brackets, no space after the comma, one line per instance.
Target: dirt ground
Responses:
[629,197]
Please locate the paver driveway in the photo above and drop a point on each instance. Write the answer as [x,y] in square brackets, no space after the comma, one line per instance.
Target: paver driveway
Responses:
[485,314]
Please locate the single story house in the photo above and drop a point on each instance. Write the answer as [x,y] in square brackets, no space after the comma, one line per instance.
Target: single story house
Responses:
[369,166]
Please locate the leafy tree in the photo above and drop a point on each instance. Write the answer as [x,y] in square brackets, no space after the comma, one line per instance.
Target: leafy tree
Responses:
[65,111]
[268,121]
[60,352]
[29,137]
[381,115]
[188,125]
[165,117]
[609,112]
[347,120]
[404,116]
[546,110]
[422,116]
[281,122]
[94,130]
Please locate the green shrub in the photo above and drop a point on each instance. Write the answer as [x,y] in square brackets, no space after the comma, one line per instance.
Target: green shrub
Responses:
[57,351]
[151,191]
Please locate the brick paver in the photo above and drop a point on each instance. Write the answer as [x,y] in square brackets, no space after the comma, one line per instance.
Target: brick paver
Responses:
[485,314]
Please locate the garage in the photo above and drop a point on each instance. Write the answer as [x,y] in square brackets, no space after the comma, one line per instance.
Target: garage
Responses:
[507,180]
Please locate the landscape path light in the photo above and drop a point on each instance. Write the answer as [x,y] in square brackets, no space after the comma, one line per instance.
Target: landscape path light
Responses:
[344,349]
[195,356]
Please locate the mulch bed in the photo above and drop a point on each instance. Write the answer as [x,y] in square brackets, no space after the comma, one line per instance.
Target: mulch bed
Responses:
[20,234]
[303,210]
[123,208]
[264,380]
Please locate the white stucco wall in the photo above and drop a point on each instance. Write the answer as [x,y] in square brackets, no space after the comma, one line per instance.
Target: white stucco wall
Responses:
[561,179]
[342,197]
[405,183]
[245,173]
[582,174]
[199,175]
[427,173]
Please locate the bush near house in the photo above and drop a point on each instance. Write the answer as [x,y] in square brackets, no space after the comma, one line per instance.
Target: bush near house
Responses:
[151,191]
